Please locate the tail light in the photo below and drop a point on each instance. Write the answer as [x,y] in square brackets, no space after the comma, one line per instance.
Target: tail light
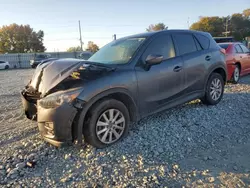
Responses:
[223,51]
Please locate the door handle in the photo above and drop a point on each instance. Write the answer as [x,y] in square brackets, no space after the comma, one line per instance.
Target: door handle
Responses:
[177,68]
[208,58]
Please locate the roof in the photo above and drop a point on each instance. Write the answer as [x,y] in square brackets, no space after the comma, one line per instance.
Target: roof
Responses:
[148,34]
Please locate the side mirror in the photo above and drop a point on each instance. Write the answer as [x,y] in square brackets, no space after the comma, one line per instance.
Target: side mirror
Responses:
[154,59]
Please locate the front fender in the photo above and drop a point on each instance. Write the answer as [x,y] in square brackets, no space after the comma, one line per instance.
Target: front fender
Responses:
[88,104]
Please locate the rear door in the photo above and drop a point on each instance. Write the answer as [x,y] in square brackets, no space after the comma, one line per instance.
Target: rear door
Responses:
[246,58]
[241,57]
[194,51]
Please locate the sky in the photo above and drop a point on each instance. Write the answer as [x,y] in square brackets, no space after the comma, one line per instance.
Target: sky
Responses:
[100,19]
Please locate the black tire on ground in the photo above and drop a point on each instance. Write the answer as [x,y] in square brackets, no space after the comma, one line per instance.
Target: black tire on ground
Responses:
[208,99]
[236,75]
[90,127]
[33,66]
[7,67]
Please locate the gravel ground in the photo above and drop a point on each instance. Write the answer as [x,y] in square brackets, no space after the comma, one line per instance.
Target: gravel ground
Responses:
[192,145]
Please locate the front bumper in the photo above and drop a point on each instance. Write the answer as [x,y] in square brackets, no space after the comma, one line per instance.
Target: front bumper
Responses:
[55,124]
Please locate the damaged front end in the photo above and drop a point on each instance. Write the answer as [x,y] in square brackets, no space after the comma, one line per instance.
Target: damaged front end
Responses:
[50,98]
[29,98]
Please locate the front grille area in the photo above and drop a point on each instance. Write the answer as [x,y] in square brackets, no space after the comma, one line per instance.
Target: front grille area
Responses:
[49,129]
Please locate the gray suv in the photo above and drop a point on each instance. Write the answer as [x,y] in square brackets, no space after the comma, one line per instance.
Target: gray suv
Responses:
[124,81]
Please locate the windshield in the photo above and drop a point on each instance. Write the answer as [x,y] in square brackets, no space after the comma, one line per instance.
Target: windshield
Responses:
[117,52]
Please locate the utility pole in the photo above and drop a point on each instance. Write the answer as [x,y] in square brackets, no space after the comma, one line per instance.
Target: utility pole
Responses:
[226,32]
[80,32]
[226,26]
[188,22]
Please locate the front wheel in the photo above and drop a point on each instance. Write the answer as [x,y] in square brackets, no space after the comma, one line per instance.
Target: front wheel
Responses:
[7,67]
[108,122]
[214,90]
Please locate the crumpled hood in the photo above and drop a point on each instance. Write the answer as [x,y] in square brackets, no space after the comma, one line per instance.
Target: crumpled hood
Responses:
[50,74]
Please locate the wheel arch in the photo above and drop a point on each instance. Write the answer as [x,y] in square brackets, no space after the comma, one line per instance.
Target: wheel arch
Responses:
[119,94]
[220,70]
[238,63]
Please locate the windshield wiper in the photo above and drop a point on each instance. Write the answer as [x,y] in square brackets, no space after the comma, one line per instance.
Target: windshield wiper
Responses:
[99,64]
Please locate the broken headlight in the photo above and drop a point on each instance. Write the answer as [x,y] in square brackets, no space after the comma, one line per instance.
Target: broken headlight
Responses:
[55,100]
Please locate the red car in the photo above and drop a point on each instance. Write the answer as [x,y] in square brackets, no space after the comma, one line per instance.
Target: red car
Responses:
[237,59]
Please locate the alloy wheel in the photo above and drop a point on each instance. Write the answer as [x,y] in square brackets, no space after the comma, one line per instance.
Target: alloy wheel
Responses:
[110,126]
[215,89]
[236,74]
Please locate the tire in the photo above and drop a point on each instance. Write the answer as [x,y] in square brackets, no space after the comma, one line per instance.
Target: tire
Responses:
[236,75]
[7,67]
[210,97]
[33,66]
[96,116]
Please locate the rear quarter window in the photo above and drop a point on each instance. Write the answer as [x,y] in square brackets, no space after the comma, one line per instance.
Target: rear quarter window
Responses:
[244,48]
[203,40]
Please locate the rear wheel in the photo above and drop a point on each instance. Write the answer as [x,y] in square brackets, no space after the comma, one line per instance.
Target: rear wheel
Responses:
[214,90]
[7,67]
[236,74]
[107,124]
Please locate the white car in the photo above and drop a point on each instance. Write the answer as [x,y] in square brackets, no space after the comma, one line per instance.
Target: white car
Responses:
[4,65]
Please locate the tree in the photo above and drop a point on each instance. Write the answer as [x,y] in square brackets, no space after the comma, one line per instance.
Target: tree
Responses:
[236,25]
[74,49]
[157,27]
[213,25]
[246,13]
[20,39]
[92,47]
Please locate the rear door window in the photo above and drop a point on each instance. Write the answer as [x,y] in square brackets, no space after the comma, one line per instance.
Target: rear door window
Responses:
[161,45]
[198,45]
[185,43]
[244,48]
[203,40]
[238,49]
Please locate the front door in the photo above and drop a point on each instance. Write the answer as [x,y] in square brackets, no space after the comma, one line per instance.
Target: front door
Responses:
[163,82]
